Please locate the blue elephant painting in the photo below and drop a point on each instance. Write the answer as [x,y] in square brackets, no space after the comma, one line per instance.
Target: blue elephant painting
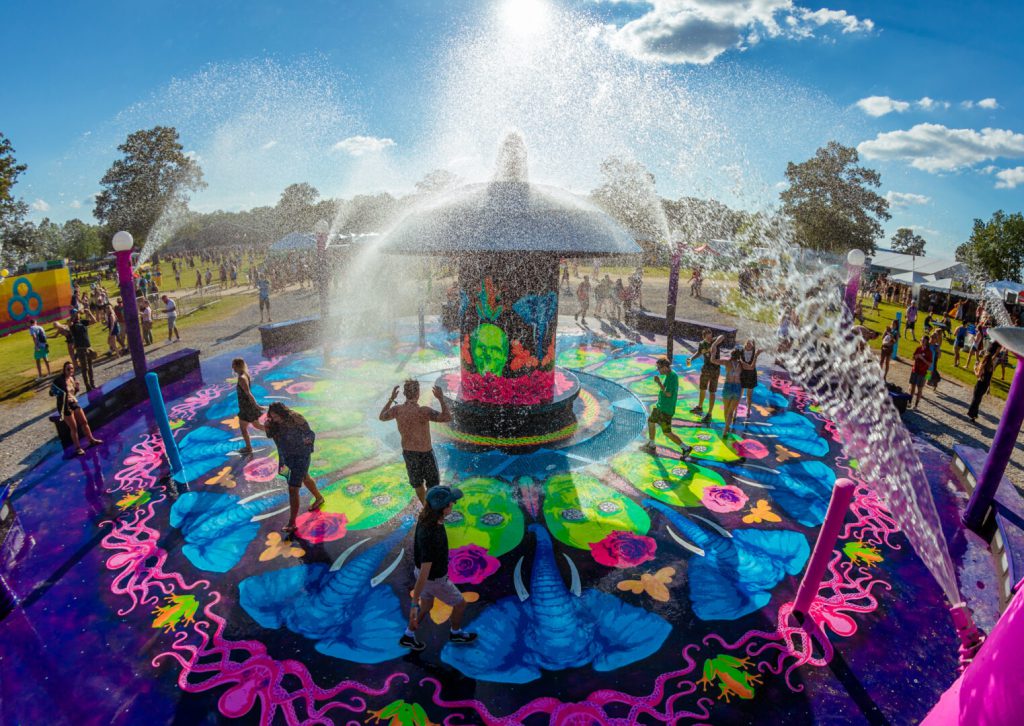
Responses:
[793,430]
[553,627]
[801,489]
[219,527]
[342,606]
[734,575]
[203,449]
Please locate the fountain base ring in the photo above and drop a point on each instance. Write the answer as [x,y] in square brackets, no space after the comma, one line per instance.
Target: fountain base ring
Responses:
[520,427]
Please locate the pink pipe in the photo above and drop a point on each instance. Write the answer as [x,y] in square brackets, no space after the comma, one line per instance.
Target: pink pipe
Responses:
[838,506]
[989,691]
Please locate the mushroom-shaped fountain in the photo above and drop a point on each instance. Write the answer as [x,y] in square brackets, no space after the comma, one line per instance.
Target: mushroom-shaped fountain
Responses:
[508,236]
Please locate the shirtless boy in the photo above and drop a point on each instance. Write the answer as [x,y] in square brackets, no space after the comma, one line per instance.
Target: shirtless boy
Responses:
[414,427]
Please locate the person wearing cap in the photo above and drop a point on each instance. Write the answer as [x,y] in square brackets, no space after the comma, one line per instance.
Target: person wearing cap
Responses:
[430,557]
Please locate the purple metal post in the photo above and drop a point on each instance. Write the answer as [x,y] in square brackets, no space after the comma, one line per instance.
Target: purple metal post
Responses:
[1005,439]
[673,291]
[838,505]
[131,312]
[852,285]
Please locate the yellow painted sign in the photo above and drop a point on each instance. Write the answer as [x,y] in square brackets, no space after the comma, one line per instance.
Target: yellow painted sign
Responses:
[42,295]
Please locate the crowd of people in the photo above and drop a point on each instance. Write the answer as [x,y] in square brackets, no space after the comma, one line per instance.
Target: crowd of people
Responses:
[614,299]
[963,327]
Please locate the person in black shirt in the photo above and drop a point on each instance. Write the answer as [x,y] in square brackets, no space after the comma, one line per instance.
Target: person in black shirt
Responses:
[294,439]
[430,557]
[83,349]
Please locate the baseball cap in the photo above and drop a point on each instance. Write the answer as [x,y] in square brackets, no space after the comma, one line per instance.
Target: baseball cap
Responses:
[440,497]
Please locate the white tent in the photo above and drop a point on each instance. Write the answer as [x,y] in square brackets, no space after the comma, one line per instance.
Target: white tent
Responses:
[1003,288]
[294,241]
[894,262]
[912,278]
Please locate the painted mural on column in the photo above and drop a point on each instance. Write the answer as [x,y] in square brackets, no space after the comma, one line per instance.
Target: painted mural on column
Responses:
[44,295]
[508,310]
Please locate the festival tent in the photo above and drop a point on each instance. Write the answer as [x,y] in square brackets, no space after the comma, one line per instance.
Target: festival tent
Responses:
[912,278]
[294,241]
[894,262]
[1005,288]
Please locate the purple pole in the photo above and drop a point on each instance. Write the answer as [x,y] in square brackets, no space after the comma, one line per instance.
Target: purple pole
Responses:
[131,311]
[670,308]
[852,284]
[1002,445]
[838,505]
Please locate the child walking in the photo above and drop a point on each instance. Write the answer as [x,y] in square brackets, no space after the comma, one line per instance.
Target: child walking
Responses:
[249,411]
[663,411]
[294,440]
[430,557]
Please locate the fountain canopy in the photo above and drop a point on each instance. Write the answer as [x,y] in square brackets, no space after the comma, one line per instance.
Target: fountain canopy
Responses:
[509,214]
[507,237]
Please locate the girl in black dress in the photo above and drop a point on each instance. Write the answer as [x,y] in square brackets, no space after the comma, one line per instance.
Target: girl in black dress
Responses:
[249,411]
[65,388]
[748,372]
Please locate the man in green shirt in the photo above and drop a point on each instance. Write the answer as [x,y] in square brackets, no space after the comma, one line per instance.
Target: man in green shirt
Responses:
[665,408]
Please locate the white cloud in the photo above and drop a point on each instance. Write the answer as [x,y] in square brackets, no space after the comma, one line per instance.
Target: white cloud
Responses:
[1010,178]
[269,145]
[988,103]
[698,31]
[360,145]
[40,205]
[75,204]
[967,104]
[905,199]
[880,105]
[930,104]
[936,148]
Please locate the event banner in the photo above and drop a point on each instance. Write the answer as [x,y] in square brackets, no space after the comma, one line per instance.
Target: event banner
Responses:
[44,295]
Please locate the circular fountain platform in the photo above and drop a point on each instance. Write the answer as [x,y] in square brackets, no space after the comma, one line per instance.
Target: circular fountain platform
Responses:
[517,426]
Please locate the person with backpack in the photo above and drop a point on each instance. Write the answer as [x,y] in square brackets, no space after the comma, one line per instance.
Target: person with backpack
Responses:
[41,347]
[294,440]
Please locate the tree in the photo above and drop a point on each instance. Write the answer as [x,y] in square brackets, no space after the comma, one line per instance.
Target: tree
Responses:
[296,210]
[832,201]
[628,194]
[438,180]
[908,243]
[996,247]
[154,173]
[13,236]
[81,241]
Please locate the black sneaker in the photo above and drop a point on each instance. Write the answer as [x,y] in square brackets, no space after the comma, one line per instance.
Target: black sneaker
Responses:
[697,409]
[706,419]
[410,642]
[686,451]
[462,637]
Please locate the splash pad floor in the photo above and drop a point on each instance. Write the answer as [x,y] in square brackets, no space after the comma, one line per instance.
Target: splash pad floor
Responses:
[607,585]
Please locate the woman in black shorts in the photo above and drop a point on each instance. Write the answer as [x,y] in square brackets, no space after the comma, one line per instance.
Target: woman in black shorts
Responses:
[748,372]
[249,411]
[294,440]
[65,388]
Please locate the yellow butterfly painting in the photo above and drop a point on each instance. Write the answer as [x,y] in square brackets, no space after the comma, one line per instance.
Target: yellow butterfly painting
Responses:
[763,410]
[222,478]
[277,546]
[278,385]
[784,454]
[761,512]
[653,585]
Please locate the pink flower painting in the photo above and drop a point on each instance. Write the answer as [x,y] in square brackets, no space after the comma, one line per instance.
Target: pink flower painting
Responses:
[723,499]
[471,564]
[317,527]
[623,549]
[260,470]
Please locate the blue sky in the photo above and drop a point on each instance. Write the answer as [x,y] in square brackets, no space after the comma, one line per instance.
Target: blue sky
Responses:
[715,96]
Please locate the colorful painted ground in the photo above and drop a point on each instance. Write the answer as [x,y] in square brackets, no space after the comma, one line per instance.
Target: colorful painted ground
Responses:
[607,585]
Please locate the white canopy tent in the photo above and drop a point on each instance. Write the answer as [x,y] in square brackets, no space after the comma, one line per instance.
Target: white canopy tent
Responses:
[894,263]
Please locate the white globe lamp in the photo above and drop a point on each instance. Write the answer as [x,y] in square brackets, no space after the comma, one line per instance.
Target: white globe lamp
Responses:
[855,258]
[122,241]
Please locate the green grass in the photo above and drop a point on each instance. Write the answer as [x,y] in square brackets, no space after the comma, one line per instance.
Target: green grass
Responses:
[877,320]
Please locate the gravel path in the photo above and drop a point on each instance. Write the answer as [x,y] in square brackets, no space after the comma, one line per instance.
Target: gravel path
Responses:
[941,418]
